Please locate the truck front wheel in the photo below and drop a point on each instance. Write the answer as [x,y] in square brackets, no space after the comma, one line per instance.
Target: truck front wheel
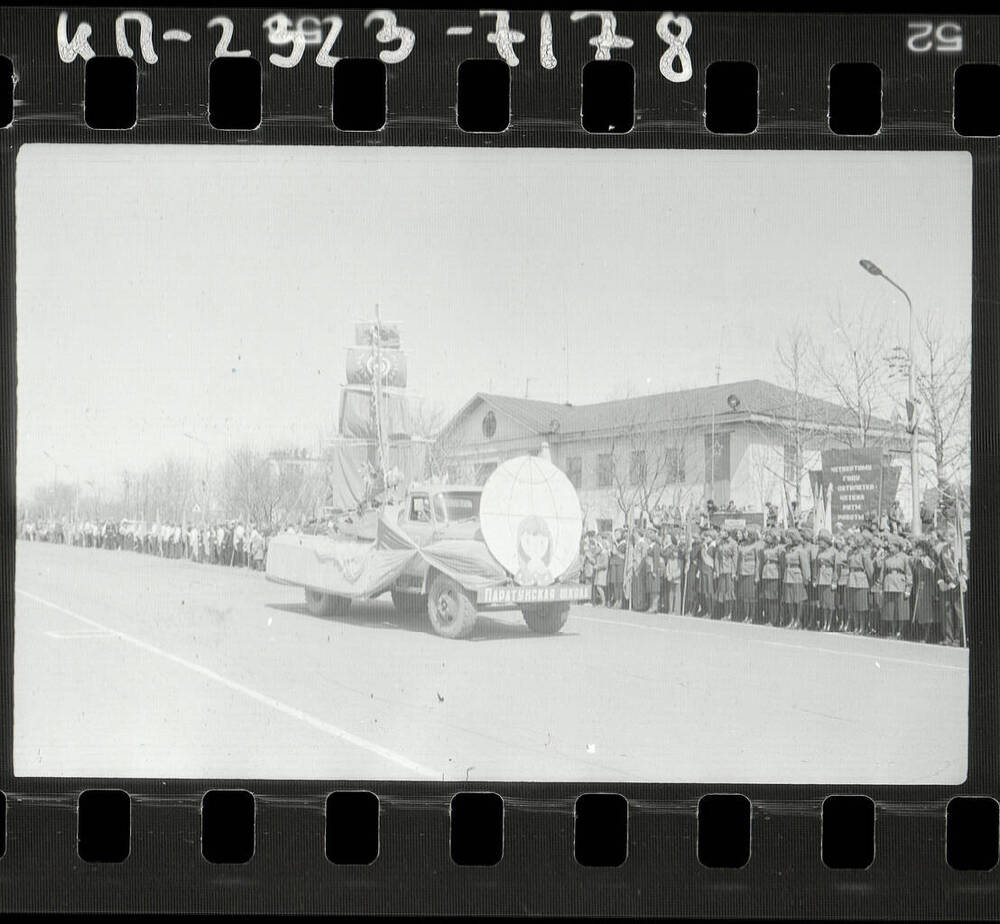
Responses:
[450,607]
[546,619]
[321,604]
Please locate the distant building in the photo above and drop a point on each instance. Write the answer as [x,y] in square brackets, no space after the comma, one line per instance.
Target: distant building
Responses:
[747,442]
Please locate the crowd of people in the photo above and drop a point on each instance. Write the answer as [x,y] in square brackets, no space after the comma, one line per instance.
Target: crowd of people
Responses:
[865,581]
[230,543]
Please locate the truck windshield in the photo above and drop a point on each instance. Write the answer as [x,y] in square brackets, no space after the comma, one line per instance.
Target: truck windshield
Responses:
[455,506]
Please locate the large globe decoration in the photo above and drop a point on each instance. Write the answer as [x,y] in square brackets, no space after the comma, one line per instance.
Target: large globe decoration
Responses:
[531,520]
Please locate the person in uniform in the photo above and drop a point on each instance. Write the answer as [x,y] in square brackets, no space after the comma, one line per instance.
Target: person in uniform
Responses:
[794,579]
[825,579]
[949,582]
[747,569]
[894,583]
[925,591]
[726,553]
[859,577]
[840,600]
[770,577]
[810,609]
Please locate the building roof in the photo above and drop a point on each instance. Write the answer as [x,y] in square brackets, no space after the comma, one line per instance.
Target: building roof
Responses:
[757,398]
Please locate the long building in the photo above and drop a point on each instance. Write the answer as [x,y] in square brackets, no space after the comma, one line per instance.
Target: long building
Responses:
[748,442]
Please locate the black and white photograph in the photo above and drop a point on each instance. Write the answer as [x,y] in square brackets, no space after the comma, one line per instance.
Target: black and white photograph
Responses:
[510,464]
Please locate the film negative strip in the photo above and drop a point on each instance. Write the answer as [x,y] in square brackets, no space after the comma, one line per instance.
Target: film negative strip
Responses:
[635,561]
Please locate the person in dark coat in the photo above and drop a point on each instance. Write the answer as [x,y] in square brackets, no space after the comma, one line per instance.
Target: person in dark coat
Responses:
[840,594]
[639,597]
[879,554]
[691,583]
[949,582]
[587,552]
[706,575]
[795,576]
[602,562]
[770,577]
[673,574]
[925,592]
[810,609]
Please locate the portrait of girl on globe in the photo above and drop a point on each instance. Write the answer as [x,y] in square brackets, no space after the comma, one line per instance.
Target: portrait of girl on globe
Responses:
[534,550]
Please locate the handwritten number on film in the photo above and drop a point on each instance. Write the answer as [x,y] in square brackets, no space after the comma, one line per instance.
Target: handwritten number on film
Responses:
[676,46]
[297,35]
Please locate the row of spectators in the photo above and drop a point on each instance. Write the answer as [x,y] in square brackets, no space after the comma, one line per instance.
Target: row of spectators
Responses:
[229,543]
[862,581]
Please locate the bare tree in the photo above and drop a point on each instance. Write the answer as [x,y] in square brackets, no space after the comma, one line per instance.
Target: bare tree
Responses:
[850,362]
[171,488]
[943,373]
[250,486]
[793,358]
[648,463]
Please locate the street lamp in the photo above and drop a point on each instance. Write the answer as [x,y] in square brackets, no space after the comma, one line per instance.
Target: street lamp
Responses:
[916,525]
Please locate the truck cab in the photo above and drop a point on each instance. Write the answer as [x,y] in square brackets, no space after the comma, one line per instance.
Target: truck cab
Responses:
[432,513]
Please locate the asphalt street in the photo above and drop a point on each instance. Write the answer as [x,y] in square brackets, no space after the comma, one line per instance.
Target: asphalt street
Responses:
[132,666]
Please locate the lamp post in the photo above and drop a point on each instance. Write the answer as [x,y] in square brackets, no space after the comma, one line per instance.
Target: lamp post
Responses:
[916,525]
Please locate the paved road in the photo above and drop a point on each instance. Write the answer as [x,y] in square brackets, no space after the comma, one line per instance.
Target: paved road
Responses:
[132,666]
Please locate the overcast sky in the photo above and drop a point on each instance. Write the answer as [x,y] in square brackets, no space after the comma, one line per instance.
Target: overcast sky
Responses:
[211,291]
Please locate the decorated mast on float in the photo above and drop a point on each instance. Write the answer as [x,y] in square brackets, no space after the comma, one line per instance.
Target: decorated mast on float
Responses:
[374,450]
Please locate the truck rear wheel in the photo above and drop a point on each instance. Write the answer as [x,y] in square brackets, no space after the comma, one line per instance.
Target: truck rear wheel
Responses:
[321,604]
[546,619]
[451,608]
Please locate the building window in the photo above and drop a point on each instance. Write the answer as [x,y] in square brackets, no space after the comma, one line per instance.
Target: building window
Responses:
[574,470]
[489,425]
[605,470]
[637,467]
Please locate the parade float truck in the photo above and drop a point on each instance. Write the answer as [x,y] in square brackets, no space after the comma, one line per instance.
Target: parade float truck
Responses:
[454,551]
